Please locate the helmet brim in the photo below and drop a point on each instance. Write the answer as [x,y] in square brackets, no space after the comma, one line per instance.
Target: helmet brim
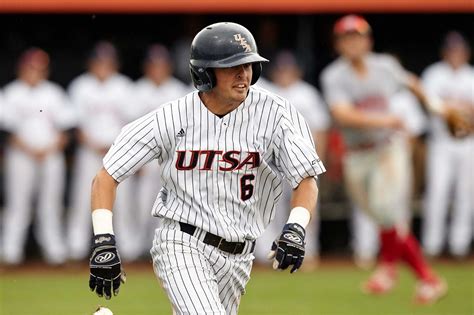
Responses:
[232,61]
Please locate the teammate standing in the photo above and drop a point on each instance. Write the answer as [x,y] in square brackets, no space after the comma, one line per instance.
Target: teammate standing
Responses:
[36,115]
[157,87]
[102,98]
[223,151]
[358,87]
[287,81]
[450,160]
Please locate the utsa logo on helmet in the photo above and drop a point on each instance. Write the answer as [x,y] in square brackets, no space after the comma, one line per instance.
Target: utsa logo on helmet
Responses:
[243,42]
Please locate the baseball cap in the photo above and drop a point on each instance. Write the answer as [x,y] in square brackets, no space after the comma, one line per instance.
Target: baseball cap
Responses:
[34,57]
[351,24]
[454,40]
[104,50]
[157,53]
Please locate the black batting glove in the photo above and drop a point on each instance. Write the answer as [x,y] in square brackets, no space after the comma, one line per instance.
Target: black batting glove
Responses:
[288,248]
[106,273]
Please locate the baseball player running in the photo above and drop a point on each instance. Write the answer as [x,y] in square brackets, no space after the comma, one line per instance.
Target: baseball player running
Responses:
[36,116]
[223,151]
[358,87]
[156,87]
[450,160]
[102,99]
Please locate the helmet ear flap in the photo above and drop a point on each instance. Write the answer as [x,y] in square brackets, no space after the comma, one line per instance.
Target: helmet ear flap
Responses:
[203,79]
[256,72]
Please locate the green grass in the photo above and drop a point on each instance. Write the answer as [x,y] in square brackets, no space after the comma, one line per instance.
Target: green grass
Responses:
[329,291]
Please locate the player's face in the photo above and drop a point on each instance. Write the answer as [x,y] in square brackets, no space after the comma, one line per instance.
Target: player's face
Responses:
[233,83]
[353,45]
[158,71]
[103,68]
[285,76]
[32,75]
[456,56]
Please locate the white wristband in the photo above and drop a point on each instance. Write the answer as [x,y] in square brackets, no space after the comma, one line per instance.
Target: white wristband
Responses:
[299,215]
[102,221]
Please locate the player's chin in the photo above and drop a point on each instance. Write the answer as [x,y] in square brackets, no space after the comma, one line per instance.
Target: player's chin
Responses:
[240,93]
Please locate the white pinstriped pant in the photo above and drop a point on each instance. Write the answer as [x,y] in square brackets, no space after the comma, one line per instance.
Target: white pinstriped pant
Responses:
[198,278]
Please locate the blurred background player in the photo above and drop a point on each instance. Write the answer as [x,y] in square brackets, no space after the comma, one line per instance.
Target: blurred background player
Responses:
[358,87]
[450,165]
[36,115]
[157,87]
[365,231]
[286,78]
[102,98]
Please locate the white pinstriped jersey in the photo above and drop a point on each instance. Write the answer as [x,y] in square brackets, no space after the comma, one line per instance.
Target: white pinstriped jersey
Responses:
[222,175]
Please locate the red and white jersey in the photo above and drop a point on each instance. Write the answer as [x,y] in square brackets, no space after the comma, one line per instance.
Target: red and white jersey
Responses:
[150,96]
[36,114]
[371,94]
[222,175]
[103,107]
[455,86]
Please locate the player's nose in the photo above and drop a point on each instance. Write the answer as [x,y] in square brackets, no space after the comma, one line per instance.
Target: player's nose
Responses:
[244,71]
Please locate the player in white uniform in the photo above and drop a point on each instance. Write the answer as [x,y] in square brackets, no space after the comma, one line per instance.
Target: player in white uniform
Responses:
[36,115]
[157,87]
[358,87]
[286,76]
[223,151]
[450,160]
[102,98]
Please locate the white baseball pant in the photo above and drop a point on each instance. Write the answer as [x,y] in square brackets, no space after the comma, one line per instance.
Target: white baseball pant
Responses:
[450,179]
[27,178]
[198,278]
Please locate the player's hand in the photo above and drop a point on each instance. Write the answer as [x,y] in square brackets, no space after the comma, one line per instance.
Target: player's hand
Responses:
[288,248]
[106,273]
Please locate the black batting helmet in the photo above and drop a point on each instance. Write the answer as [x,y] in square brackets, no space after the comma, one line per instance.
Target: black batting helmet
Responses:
[222,45]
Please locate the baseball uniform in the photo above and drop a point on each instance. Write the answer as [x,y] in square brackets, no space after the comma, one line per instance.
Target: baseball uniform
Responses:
[149,96]
[37,115]
[450,167]
[375,157]
[220,176]
[103,107]
[307,101]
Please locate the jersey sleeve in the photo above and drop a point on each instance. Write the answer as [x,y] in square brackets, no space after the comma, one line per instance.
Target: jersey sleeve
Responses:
[295,154]
[316,113]
[399,75]
[65,116]
[333,88]
[135,146]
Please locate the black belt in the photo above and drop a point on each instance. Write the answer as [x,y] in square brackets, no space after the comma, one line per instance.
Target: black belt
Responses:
[217,241]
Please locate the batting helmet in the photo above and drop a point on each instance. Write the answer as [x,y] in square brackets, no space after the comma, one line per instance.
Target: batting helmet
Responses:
[222,45]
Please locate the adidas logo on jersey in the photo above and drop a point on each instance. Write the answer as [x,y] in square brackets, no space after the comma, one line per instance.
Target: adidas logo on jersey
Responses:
[181,133]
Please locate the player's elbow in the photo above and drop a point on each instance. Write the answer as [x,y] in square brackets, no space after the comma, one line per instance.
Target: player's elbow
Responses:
[103,178]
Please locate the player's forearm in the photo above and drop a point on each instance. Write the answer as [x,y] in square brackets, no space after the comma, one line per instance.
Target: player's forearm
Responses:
[305,195]
[353,118]
[104,188]
[429,104]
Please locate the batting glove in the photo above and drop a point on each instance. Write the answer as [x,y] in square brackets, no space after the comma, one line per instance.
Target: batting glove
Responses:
[288,249]
[105,267]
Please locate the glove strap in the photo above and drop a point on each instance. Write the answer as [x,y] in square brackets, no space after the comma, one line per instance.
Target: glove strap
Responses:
[103,239]
[295,227]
